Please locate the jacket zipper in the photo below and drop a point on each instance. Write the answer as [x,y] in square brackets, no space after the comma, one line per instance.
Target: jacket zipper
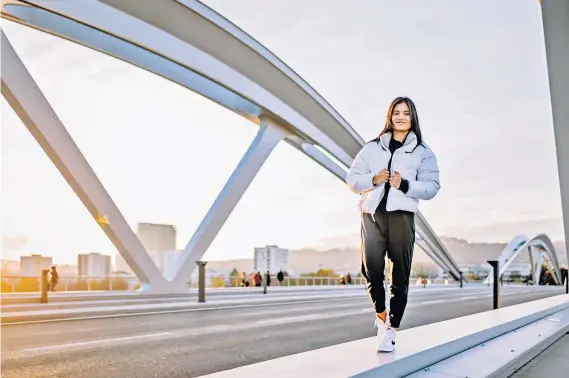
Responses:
[390,174]
[373,214]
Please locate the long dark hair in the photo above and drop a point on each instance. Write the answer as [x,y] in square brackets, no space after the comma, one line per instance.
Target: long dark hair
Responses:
[415,127]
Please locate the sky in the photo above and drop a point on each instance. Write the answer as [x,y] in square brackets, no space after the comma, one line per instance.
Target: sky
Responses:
[475,69]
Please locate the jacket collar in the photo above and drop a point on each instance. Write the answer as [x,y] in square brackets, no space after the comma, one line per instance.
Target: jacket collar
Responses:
[410,141]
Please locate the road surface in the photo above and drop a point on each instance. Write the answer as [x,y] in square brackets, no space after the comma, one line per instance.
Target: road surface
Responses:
[194,343]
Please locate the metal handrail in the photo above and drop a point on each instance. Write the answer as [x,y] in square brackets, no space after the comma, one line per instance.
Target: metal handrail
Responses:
[117,283]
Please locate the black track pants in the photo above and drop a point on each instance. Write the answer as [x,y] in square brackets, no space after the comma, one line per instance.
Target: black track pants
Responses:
[392,233]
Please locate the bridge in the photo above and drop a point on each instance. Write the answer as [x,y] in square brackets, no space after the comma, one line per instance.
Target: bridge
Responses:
[189,44]
[545,253]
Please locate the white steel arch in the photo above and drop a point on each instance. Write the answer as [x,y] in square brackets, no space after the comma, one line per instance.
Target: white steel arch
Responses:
[190,44]
[546,253]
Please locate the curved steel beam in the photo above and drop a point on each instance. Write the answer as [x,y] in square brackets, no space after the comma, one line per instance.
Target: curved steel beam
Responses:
[448,262]
[427,249]
[193,46]
[116,33]
[202,27]
[521,243]
[165,18]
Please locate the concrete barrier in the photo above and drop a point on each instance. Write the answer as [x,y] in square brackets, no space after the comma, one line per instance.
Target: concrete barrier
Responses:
[504,355]
[417,348]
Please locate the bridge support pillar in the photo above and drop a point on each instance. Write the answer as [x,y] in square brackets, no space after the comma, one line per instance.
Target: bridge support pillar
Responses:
[268,136]
[32,107]
[555,16]
[537,273]
[531,263]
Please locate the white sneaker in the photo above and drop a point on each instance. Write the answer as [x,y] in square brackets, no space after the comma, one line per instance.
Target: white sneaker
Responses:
[387,341]
[381,328]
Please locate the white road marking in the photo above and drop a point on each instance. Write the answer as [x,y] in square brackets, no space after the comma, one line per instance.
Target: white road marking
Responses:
[291,319]
[289,310]
[469,297]
[276,303]
[432,302]
[234,327]
[83,343]
[196,331]
[305,318]
[175,311]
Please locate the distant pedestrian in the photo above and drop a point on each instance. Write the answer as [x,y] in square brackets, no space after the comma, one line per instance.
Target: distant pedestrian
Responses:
[391,174]
[268,278]
[54,278]
[348,279]
[280,277]
[257,279]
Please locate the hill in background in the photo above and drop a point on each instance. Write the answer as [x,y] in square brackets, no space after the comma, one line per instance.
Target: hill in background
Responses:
[348,258]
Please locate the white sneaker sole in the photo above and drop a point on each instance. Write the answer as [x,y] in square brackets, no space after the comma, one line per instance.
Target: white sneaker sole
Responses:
[386,349]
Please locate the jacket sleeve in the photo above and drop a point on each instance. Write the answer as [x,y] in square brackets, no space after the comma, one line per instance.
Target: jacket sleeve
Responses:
[360,177]
[427,184]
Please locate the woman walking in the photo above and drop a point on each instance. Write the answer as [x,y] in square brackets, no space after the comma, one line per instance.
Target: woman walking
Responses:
[392,173]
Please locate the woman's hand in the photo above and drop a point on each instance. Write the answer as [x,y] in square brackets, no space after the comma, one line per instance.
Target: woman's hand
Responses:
[381,178]
[395,180]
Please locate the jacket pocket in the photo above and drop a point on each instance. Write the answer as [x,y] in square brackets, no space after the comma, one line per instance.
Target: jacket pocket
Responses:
[369,199]
[399,201]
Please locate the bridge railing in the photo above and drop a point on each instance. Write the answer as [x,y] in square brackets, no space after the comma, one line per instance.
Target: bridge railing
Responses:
[19,284]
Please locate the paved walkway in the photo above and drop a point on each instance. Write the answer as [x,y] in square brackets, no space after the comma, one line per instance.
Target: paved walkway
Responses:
[551,363]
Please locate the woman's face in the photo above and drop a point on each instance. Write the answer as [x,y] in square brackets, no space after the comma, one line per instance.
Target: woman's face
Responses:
[401,117]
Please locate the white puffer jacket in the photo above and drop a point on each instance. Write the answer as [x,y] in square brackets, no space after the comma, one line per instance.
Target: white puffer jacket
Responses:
[416,165]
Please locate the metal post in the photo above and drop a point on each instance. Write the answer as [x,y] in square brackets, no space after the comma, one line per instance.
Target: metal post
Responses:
[532,265]
[461,280]
[268,267]
[201,280]
[496,266]
[44,285]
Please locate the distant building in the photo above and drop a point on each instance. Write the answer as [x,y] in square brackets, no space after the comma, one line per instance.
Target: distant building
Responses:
[169,260]
[121,265]
[67,270]
[93,265]
[468,268]
[31,266]
[165,260]
[157,237]
[271,258]
[159,240]
[10,268]
[517,270]
[475,271]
